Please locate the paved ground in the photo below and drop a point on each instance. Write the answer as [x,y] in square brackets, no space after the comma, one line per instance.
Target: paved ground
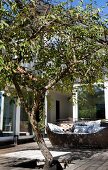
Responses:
[78,159]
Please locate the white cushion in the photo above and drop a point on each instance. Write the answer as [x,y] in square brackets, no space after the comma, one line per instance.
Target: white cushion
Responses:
[55,128]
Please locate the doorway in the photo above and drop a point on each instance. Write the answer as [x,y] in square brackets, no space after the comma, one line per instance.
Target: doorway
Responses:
[57,110]
[100,111]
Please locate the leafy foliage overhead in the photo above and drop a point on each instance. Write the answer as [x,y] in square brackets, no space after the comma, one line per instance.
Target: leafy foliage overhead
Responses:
[47,46]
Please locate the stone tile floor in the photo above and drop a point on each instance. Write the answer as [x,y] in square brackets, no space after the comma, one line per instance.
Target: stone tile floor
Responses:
[78,159]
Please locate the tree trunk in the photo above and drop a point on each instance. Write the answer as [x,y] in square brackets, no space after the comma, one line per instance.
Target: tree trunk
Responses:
[49,160]
[50,163]
[39,139]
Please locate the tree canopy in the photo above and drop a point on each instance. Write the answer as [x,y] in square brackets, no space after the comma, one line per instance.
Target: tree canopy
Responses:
[45,46]
[60,44]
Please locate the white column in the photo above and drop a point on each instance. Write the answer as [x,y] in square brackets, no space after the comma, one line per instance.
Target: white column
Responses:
[75,105]
[2,110]
[106,98]
[17,118]
[46,109]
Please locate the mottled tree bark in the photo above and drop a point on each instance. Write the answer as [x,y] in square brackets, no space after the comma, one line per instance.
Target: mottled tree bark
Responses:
[49,160]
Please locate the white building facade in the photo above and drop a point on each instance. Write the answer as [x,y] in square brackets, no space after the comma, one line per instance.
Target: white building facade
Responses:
[58,107]
[14,123]
[98,101]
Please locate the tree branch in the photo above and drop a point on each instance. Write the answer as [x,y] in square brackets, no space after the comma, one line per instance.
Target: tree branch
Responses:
[19,4]
[42,28]
[19,93]
[57,78]
[22,71]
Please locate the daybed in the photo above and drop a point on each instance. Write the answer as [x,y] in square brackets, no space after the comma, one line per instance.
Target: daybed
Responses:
[92,136]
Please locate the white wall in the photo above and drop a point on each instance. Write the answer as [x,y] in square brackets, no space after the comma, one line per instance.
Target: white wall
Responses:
[65,106]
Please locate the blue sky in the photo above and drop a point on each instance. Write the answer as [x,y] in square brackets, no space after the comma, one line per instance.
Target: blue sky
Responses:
[100,3]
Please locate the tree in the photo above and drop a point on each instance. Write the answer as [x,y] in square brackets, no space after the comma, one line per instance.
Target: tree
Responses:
[62,45]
